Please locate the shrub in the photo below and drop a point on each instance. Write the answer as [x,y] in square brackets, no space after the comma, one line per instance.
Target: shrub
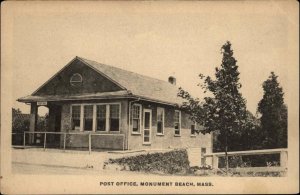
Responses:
[172,162]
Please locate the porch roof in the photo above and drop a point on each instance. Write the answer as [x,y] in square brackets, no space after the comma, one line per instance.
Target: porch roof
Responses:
[94,96]
[103,95]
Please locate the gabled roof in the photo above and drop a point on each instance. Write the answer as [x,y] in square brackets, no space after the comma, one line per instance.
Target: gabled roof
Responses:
[136,85]
[139,85]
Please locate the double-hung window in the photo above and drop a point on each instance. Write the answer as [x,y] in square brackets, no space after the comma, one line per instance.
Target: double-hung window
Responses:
[88,118]
[160,121]
[75,119]
[136,118]
[95,117]
[114,118]
[177,123]
[101,118]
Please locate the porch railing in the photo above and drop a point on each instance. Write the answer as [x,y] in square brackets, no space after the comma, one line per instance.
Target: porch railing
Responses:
[89,134]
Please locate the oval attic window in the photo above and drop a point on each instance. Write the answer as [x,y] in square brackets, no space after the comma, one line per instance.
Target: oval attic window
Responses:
[76,79]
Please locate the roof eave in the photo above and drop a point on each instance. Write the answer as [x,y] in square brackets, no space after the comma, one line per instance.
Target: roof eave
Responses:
[30,100]
[157,101]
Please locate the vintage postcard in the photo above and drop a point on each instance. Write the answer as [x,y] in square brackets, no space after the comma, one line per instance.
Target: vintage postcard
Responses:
[149,97]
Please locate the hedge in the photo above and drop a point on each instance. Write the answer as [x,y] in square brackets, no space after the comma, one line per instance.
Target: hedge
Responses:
[175,161]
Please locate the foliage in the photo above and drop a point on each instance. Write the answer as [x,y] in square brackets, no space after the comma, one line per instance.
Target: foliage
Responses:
[255,174]
[169,162]
[42,123]
[224,112]
[234,162]
[20,122]
[201,171]
[16,111]
[255,160]
[273,114]
[251,137]
[205,167]
[176,162]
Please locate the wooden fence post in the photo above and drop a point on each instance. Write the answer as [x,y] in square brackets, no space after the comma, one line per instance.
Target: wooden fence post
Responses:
[284,159]
[65,136]
[123,142]
[215,163]
[45,138]
[24,141]
[90,143]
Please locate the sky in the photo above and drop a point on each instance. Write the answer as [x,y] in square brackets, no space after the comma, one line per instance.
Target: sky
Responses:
[157,39]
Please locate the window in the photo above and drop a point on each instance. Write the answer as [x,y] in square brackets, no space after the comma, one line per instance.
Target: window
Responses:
[136,118]
[95,117]
[101,118]
[114,122]
[203,152]
[76,79]
[75,119]
[177,124]
[160,121]
[88,118]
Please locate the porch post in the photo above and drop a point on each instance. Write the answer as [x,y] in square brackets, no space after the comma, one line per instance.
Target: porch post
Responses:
[51,119]
[33,121]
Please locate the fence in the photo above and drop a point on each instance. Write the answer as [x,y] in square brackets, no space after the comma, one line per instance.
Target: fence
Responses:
[283,159]
[58,138]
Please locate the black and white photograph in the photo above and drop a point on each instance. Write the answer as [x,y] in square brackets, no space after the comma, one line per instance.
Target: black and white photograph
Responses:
[121,97]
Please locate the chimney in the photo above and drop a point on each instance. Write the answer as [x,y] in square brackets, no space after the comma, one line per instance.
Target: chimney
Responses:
[172,80]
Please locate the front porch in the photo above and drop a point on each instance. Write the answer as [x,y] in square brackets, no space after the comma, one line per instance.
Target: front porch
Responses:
[59,135]
[34,136]
[73,140]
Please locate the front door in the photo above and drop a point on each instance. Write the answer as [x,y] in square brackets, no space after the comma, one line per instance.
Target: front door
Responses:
[147,126]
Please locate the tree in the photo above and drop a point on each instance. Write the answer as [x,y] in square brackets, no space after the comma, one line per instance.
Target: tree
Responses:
[16,111]
[225,111]
[42,123]
[273,114]
[20,122]
[252,136]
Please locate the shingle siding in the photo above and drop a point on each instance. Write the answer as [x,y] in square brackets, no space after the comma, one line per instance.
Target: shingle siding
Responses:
[169,140]
[108,142]
[92,82]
